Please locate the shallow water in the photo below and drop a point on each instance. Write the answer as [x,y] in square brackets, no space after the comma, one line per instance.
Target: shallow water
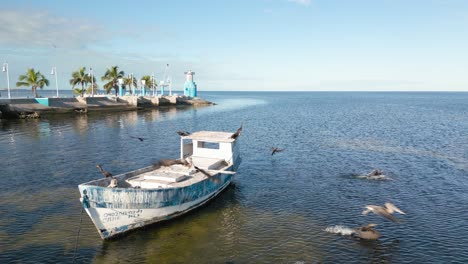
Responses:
[279,206]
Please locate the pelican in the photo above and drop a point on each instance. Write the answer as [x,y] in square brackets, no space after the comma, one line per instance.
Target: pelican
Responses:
[183,133]
[139,138]
[384,211]
[113,183]
[238,132]
[103,172]
[374,175]
[170,162]
[367,232]
[209,176]
[275,150]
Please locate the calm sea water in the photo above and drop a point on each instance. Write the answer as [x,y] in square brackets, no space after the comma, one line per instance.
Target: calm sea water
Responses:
[279,206]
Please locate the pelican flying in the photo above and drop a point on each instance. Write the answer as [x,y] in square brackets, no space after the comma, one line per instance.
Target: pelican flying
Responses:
[385,211]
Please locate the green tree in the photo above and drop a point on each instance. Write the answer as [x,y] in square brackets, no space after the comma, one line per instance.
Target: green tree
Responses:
[80,77]
[112,75]
[149,82]
[33,79]
[130,81]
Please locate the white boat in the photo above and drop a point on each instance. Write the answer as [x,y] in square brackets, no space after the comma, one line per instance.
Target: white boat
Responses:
[161,192]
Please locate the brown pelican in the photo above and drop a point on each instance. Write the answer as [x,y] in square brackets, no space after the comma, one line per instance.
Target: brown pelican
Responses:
[374,175]
[139,138]
[367,232]
[275,150]
[170,162]
[103,172]
[113,183]
[384,211]
[238,132]
[215,180]
[183,133]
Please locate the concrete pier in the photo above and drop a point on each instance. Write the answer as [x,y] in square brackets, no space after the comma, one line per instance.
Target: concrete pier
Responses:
[35,107]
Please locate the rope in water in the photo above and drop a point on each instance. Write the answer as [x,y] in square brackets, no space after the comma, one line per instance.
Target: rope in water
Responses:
[78,234]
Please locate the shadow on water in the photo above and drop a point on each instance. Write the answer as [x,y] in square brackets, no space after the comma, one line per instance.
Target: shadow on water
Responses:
[181,239]
[381,251]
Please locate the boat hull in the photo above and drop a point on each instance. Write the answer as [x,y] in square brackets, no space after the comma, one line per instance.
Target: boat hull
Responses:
[129,209]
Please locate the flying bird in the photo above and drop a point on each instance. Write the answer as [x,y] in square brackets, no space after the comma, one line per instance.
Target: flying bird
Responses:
[139,138]
[103,172]
[384,211]
[238,132]
[367,232]
[275,150]
[183,133]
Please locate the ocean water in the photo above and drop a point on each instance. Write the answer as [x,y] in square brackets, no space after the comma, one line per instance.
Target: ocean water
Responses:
[297,206]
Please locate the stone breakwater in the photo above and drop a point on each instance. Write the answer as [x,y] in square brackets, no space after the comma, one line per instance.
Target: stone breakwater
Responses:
[36,107]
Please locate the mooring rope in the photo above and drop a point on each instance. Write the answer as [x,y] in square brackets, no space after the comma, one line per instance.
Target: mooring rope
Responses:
[78,234]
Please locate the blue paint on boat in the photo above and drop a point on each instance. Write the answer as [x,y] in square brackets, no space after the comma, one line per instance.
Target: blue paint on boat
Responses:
[129,198]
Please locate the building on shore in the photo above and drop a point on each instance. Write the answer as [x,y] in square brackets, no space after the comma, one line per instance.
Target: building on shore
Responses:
[190,87]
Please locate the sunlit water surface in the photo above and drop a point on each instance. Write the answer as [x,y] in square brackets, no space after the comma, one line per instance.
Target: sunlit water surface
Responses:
[279,206]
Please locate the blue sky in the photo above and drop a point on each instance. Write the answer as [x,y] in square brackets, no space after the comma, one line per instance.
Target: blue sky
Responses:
[253,45]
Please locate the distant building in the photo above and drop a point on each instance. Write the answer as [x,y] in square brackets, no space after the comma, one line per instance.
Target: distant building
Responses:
[190,87]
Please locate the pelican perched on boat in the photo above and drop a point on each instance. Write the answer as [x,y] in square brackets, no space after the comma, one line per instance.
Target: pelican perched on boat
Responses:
[367,232]
[385,211]
[237,133]
[113,183]
[103,172]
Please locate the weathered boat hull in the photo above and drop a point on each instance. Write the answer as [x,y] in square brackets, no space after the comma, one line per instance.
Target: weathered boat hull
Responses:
[118,210]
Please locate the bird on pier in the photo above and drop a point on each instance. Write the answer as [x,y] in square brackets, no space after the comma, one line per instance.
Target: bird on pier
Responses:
[237,133]
[367,232]
[103,172]
[275,150]
[385,211]
[183,133]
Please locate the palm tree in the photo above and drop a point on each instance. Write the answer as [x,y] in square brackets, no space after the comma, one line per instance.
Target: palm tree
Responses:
[80,77]
[130,81]
[33,79]
[149,82]
[112,75]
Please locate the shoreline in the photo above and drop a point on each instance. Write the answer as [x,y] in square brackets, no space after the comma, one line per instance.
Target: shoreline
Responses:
[23,108]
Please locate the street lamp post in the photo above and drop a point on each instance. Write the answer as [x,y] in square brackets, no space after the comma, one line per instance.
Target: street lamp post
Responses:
[152,83]
[92,81]
[5,69]
[143,90]
[54,72]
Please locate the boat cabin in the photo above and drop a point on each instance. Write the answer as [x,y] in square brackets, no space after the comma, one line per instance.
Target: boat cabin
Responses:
[212,151]
[208,149]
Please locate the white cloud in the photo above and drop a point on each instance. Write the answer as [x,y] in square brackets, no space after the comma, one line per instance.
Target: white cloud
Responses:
[23,28]
[301,2]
